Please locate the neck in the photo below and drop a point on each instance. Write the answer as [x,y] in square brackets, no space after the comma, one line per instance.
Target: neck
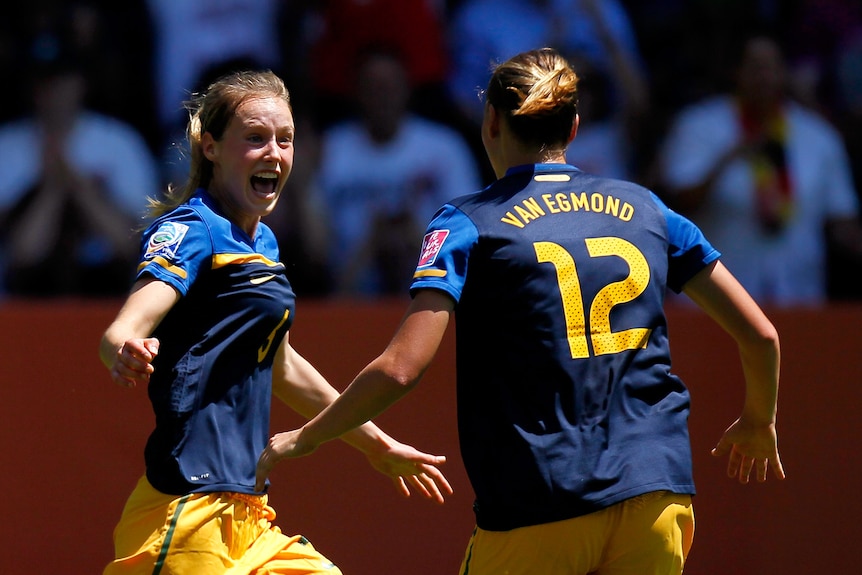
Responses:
[510,160]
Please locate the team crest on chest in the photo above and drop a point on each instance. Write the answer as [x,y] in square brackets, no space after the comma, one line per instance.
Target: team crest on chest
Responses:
[165,241]
[431,245]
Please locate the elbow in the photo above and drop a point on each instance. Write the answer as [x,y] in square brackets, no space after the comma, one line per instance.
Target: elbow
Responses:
[763,340]
[768,334]
[402,379]
[399,376]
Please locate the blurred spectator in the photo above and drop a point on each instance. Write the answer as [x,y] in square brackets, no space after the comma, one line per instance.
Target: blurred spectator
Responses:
[822,32]
[191,39]
[849,80]
[609,130]
[596,35]
[826,59]
[482,32]
[341,29]
[605,142]
[383,175]
[110,40]
[73,182]
[767,179]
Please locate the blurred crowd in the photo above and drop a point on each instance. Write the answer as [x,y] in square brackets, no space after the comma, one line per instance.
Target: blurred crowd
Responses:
[745,115]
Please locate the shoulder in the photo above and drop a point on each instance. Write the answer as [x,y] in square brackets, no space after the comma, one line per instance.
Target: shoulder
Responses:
[173,227]
[15,129]
[811,124]
[266,242]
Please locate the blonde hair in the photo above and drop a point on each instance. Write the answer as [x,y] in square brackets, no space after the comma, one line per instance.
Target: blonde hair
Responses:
[211,111]
[537,92]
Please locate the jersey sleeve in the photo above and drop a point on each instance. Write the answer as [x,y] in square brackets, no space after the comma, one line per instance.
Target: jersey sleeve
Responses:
[688,251]
[176,248]
[446,247]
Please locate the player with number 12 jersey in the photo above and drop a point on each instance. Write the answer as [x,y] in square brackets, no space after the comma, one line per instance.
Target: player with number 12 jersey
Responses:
[570,269]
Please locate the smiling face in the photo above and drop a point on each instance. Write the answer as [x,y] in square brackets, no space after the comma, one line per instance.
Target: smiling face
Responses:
[252,160]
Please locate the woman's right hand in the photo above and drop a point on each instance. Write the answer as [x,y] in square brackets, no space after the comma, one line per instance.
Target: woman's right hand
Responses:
[133,362]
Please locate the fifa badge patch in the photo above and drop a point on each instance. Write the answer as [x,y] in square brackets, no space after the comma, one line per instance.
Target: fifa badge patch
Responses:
[431,245]
[165,240]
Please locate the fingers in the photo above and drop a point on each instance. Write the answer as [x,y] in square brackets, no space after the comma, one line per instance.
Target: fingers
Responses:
[431,483]
[761,467]
[401,486]
[133,364]
[129,374]
[745,465]
[264,466]
[722,448]
[440,482]
[152,345]
[418,483]
[740,466]
[777,467]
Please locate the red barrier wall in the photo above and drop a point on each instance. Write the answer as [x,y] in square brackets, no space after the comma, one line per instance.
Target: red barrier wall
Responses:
[71,447]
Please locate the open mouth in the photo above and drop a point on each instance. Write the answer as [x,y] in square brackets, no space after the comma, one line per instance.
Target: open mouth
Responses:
[264,183]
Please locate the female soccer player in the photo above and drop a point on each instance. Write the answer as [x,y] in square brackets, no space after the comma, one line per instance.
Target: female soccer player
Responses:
[206,327]
[573,429]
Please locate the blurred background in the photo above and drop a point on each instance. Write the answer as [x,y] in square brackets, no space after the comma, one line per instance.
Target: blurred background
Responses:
[745,115]
[92,122]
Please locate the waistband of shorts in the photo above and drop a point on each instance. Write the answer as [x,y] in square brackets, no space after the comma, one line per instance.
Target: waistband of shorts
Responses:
[255,501]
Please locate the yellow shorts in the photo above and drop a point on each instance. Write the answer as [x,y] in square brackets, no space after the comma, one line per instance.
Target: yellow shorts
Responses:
[646,535]
[205,534]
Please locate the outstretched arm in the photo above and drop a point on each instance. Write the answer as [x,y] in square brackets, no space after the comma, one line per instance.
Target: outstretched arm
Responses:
[383,382]
[126,348]
[751,441]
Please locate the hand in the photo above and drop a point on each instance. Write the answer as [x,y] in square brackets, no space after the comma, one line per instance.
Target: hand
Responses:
[280,446]
[404,464]
[408,466]
[133,363]
[750,447]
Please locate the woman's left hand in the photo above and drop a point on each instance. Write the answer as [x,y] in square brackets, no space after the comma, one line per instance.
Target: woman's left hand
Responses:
[407,466]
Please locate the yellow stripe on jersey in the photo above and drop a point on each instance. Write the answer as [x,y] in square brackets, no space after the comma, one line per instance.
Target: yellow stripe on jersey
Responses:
[159,260]
[221,260]
[429,273]
[552,178]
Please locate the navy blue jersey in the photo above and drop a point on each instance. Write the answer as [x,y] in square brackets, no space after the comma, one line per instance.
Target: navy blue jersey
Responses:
[212,386]
[566,400]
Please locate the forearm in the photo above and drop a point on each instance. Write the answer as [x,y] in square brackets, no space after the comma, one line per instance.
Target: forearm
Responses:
[300,386]
[718,293]
[387,378]
[760,364]
[349,417]
[148,302]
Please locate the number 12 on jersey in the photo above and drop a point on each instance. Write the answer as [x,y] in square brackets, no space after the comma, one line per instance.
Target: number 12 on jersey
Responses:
[603,339]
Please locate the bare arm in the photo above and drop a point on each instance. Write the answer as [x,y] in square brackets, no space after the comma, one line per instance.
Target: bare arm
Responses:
[751,440]
[126,348]
[384,381]
[391,375]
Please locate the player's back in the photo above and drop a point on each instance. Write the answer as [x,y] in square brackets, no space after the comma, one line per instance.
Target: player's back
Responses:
[562,351]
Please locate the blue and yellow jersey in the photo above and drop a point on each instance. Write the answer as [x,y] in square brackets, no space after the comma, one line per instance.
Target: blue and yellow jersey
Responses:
[566,400]
[212,385]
